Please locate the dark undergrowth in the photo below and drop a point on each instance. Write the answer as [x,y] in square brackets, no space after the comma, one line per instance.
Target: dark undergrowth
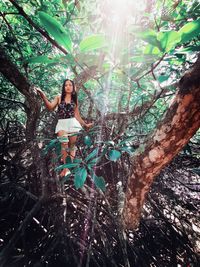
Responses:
[69,227]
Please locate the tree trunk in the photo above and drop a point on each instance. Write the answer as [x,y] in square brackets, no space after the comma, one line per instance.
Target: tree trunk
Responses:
[32,108]
[180,123]
[32,105]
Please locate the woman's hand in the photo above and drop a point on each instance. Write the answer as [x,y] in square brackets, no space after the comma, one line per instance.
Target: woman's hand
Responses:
[40,93]
[89,125]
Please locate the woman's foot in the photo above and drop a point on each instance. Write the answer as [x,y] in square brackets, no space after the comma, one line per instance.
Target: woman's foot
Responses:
[65,172]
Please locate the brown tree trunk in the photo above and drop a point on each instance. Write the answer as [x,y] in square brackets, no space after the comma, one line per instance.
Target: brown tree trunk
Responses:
[32,108]
[32,105]
[180,123]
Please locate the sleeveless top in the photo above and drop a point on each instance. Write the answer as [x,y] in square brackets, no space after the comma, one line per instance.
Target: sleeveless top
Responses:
[66,110]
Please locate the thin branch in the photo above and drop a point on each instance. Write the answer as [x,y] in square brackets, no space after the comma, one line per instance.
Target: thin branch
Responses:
[44,33]
[89,72]
[137,109]
[154,66]
[13,101]
[11,30]
[13,240]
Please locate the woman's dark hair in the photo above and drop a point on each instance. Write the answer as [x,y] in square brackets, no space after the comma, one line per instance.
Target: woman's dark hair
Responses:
[74,94]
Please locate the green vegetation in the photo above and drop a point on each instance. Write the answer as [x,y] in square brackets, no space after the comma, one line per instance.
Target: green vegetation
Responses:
[126,60]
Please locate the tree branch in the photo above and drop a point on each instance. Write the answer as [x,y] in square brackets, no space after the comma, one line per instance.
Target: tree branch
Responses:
[13,240]
[81,78]
[45,34]
[11,72]
[179,124]
[139,109]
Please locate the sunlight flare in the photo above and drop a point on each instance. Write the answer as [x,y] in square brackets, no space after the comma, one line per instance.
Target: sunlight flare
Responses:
[120,10]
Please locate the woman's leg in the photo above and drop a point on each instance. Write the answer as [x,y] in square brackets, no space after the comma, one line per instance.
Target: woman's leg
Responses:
[64,145]
[72,146]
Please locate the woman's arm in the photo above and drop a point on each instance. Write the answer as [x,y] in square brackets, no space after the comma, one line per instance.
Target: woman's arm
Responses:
[48,104]
[82,122]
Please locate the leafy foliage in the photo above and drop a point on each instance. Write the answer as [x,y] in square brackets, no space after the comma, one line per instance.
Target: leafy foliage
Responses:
[190,30]
[125,72]
[114,155]
[80,177]
[92,43]
[92,157]
[56,30]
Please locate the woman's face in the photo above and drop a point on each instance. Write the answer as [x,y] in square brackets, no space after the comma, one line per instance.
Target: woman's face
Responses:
[68,87]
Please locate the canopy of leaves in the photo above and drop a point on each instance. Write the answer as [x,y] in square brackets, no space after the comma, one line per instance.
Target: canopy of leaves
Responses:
[126,59]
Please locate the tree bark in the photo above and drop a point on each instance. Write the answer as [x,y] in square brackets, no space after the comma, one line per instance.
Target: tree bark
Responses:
[180,123]
[32,105]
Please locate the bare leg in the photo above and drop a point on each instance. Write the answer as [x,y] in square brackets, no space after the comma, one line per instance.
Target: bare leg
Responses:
[72,143]
[64,146]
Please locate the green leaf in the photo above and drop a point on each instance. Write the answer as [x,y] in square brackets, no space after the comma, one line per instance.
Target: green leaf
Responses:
[187,50]
[92,42]
[70,7]
[89,60]
[39,59]
[143,58]
[173,61]
[92,154]
[112,143]
[58,149]
[77,160]
[151,50]
[126,140]
[106,66]
[168,40]
[94,161]
[163,78]
[87,140]
[80,177]
[190,30]
[50,145]
[67,165]
[68,160]
[149,36]
[114,155]
[99,182]
[128,149]
[54,28]
[50,59]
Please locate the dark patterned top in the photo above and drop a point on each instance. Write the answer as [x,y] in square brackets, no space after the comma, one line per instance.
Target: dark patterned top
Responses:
[66,110]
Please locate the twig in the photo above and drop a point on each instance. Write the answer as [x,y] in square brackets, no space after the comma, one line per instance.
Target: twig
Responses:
[13,240]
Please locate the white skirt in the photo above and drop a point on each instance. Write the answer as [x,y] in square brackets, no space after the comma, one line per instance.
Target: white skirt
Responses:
[70,125]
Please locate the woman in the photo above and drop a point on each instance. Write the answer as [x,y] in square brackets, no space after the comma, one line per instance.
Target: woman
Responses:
[69,119]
